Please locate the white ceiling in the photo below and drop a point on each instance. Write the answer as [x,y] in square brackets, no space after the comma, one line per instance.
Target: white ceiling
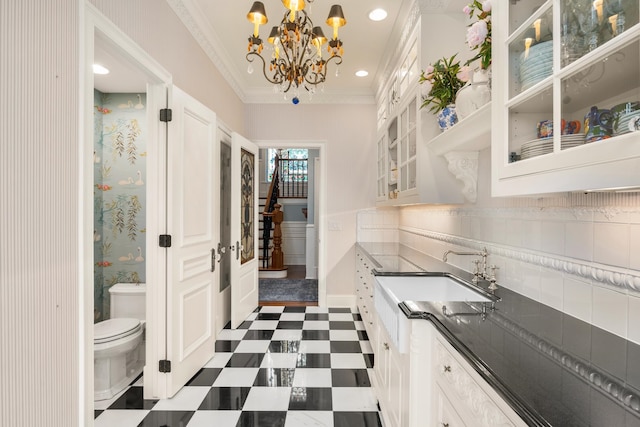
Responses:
[123,77]
[222,30]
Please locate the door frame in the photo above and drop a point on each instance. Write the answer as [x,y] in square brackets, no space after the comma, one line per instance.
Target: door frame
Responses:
[321,146]
[159,81]
[223,298]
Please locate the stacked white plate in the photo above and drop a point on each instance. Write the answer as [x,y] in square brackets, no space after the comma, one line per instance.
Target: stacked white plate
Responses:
[541,146]
[536,65]
[627,122]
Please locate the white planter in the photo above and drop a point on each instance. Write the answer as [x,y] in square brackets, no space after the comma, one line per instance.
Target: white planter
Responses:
[473,95]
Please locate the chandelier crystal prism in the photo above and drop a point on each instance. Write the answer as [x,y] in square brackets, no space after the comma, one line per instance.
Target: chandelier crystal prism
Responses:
[296,58]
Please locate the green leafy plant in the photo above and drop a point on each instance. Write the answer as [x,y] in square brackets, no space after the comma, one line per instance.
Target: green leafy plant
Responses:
[442,81]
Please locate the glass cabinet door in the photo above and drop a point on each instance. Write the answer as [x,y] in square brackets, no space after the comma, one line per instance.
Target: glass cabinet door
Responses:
[392,159]
[573,74]
[382,168]
[407,150]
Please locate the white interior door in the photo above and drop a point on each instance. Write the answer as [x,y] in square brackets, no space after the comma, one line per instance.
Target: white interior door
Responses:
[244,228]
[191,221]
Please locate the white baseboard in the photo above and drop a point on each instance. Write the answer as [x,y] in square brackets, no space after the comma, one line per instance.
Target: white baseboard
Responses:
[341,301]
[272,274]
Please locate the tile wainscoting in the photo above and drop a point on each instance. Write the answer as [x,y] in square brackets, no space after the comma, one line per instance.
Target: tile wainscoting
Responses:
[579,256]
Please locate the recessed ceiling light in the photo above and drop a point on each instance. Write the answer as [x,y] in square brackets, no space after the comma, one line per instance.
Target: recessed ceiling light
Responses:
[362,73]
[378,14]
[99,69]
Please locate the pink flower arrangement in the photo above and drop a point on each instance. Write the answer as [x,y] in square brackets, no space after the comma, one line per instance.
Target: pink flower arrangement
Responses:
[465,73]
[479,32]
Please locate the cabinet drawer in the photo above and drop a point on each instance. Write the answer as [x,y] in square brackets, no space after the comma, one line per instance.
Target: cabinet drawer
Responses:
[475,400]
[446,415]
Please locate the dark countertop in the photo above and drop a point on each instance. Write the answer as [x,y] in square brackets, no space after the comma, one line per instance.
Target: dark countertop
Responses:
[551,368]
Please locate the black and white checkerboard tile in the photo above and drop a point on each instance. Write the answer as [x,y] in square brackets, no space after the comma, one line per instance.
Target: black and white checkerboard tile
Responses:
[284,367]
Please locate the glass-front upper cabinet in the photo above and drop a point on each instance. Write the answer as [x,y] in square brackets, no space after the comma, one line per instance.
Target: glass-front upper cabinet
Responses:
[382,169]
[407,150]
[566,111]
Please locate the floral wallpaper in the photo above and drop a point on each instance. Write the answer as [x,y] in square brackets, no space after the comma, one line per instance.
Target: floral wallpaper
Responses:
[119,162]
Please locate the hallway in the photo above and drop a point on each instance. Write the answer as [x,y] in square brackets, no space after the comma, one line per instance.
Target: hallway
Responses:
[284,366]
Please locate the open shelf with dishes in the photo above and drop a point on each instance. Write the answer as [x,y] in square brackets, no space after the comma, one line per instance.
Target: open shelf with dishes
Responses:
[566,113]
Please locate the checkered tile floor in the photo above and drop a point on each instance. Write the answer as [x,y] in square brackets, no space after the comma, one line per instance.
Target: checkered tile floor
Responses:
[284,366]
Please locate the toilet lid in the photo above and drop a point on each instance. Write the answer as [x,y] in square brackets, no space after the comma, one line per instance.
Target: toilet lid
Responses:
[113,329]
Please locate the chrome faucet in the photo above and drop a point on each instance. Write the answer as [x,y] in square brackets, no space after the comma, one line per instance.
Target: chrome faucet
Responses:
[482,253]
[480,266]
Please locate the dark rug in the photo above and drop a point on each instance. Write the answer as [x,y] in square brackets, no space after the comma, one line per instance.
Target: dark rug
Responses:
[288,290]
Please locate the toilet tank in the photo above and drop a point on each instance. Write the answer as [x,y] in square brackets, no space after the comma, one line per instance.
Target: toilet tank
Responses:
[128,300]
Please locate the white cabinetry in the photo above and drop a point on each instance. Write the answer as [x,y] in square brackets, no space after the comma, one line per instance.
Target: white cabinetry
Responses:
[364,294]
[476,403]
[391,369]
[431,384]
[407,171]
[445,414]
[555,61]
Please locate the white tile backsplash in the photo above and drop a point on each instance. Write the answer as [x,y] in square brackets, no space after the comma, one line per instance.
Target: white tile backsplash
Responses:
[553,237]
[514,232]
[530,280]
[579,240]
[532,234]
[633,320]
[611,244]
[634,247]
[577,299]
[552,288]
[610,310]
[553,255]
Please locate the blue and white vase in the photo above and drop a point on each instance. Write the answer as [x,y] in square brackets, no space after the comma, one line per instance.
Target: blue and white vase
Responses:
[447,117]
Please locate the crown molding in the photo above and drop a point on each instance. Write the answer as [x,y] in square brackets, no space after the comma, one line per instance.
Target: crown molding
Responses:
[191,17]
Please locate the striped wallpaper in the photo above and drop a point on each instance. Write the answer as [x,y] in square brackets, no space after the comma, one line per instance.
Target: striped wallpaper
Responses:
[39,184]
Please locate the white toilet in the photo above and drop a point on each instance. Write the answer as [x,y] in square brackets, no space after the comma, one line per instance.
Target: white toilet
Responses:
[118,343]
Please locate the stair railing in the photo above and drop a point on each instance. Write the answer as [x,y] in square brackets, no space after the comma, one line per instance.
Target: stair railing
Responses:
[293,177]
[268,214]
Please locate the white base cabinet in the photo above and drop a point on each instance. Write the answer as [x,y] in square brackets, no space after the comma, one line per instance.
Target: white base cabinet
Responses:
[391,371]
[476,402]
[364,294]
[445,414]
[431,384]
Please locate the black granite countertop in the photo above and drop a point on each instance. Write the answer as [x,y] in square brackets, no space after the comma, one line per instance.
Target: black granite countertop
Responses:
[551,368]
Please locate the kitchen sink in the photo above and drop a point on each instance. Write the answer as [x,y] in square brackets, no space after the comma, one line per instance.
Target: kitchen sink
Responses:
[428,288]
[392,289]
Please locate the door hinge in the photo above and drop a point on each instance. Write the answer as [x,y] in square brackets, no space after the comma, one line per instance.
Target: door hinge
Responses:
[164,366]
[165,115]
[165,240]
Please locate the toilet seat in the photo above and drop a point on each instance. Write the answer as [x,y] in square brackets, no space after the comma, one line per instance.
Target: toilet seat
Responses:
[114,329]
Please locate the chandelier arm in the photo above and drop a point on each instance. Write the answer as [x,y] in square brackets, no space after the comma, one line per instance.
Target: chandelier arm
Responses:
[336,57]
[264,66]
[323,74]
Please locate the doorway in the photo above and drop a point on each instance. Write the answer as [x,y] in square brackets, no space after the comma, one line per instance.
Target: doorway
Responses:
[302,230]
[122,162]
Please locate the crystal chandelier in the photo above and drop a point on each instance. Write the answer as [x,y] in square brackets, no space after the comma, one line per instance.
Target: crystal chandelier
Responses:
[297,46]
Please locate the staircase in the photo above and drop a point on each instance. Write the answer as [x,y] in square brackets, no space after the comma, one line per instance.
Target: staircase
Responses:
[271,256]
[289,181]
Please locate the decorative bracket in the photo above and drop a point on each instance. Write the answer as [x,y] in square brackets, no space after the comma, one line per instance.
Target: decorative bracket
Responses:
[464,166]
